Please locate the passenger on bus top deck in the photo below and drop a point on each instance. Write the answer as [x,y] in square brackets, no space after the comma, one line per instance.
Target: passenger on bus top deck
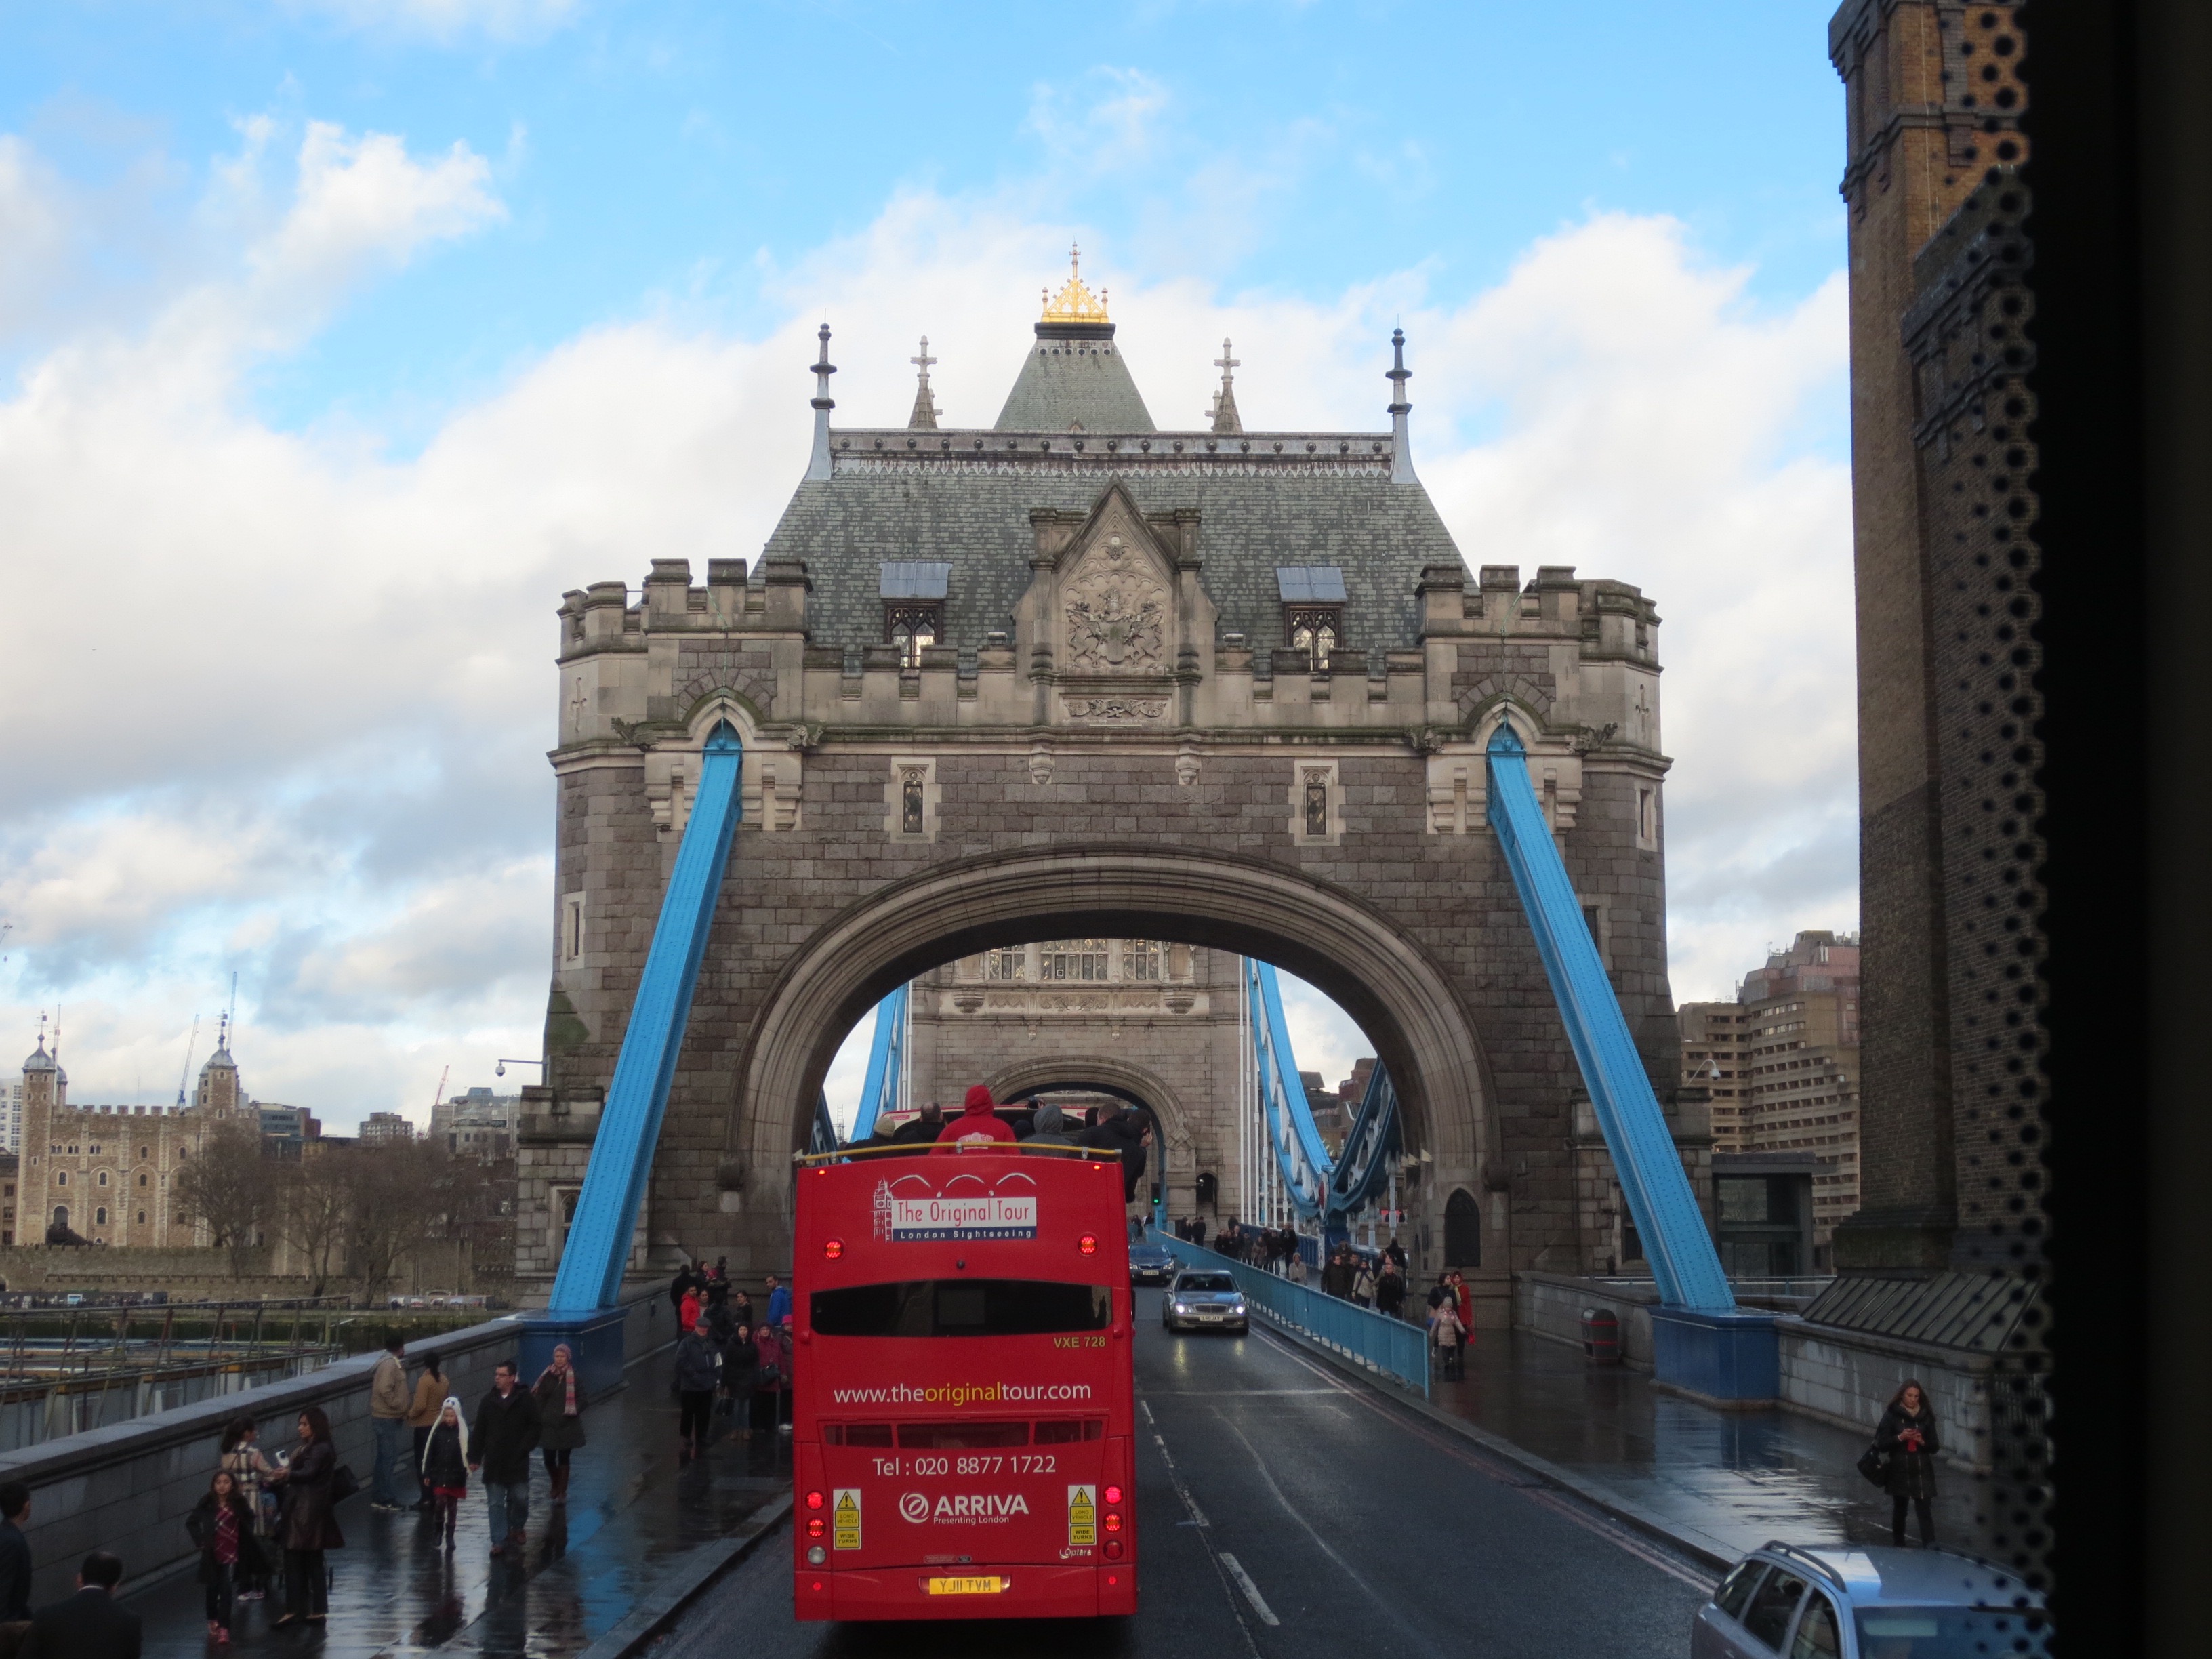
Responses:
[978,1122]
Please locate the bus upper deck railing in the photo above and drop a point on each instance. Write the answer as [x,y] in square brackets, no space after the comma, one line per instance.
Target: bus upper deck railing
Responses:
[1373,1341]
[928,1148]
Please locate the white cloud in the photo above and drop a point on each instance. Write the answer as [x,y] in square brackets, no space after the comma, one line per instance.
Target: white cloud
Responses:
[280,702]
[448,21]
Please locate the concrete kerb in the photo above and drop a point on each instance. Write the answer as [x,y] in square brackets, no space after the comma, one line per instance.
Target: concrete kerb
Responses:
[683,1585]
[1620,1509]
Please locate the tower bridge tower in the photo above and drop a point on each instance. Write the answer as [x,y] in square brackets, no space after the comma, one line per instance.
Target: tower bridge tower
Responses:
[1072,677]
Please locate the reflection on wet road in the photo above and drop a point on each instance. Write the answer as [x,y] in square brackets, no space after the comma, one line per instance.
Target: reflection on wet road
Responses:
[1287,1515]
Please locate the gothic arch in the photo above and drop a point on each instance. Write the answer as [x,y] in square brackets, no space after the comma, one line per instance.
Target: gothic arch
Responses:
[1403,1000]
[1112,1072]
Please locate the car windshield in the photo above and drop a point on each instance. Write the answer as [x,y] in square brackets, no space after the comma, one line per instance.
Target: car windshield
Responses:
[1205,1282]
[1947,1633]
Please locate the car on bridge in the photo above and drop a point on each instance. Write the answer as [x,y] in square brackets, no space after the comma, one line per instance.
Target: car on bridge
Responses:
[1782,1601]
[1151,1264]
[1205,1299]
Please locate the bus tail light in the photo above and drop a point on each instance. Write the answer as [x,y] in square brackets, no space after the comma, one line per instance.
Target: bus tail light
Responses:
[816,1526]
[1113,1494]
[1113,1522]
[814,1500]
[816,1556]
[1113,1551]
[833,1248]
[1087,1243]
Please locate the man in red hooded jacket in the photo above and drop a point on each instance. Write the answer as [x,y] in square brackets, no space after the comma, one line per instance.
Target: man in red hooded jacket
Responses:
[979,1121]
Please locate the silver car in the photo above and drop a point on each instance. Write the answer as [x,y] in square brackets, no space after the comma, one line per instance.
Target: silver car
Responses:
[1201,1299]
[1784,1602]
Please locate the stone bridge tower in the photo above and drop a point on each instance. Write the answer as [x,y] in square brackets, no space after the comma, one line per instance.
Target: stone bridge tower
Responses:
[1071,675]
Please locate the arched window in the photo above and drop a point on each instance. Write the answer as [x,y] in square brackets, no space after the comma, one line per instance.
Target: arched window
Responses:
[1463,1230]
[99,1217]
[103,1177]
[61,1215]
[61,1177]
[141,1177]
[142,1218]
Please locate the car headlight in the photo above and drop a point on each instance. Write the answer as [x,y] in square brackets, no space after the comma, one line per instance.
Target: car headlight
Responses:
[1182,1307]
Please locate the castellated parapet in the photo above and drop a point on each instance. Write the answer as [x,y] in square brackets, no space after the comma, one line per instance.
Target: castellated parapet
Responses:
[997,685]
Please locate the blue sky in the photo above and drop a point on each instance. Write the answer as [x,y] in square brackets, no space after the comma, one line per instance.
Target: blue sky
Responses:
[301,305]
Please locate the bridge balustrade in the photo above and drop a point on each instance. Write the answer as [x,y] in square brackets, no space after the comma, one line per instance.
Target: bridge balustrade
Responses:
[1374,1341]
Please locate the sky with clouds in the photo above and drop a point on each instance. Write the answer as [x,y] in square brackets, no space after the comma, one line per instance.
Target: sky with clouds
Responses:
[339,337]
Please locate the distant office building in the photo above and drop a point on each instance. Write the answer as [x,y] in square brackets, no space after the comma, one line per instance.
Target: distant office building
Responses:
[385,1129]
[1712,1060]
[287,1130]
[11,1117]
[479,1123]
[1786,1052]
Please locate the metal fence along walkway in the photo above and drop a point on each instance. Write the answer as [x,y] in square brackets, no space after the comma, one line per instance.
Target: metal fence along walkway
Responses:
[1390,1347]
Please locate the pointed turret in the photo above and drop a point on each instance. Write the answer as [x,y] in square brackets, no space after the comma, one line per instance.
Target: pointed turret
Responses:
[818,464]
[1225,418]
[1074,379]
[1402,444]
[924,418]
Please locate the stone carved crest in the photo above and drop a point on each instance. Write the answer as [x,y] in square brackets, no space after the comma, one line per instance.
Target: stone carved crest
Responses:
[1116,711]
[1116,613]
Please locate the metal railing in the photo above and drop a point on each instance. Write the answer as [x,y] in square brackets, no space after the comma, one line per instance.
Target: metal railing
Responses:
[1366,1338]
[70,1369]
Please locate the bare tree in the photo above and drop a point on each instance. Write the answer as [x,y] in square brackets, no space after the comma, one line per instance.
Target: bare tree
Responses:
[314,1210]
[394,1202]
[230,1188]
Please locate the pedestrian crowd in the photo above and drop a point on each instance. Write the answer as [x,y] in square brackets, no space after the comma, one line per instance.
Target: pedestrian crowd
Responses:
[731,1360]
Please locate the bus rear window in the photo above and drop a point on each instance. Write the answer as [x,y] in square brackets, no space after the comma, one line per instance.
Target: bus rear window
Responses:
[961,1436]
[856,1434]
[1067,1433]
[962,1307]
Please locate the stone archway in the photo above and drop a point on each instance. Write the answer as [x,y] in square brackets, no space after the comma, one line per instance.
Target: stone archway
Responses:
[1385,979]
[1116,1075]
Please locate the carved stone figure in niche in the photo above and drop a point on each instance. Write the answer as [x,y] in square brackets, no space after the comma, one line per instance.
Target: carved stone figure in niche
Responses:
[1317,803]
[910,805]
[1115,611]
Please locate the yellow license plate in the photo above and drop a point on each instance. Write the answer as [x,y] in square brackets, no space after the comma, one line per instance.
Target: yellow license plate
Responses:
[991,1586]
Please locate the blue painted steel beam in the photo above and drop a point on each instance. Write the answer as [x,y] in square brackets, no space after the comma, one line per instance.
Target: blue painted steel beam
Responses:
[1299,1153]
[1665,1210]
[886,1056]
[823,1137]
[598,1250]
[1371,1150]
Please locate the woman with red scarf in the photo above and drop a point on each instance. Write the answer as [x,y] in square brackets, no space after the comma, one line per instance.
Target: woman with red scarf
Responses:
[560,1405]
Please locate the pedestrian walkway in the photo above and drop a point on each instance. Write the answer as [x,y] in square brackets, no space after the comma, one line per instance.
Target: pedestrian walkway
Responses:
[1723,1482]
[634,1519]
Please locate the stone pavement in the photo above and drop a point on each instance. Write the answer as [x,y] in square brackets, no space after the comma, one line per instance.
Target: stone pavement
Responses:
[1720,1482]
[635,1521]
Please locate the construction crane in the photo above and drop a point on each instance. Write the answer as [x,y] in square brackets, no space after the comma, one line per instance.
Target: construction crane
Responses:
[440,1093]
[191,1043]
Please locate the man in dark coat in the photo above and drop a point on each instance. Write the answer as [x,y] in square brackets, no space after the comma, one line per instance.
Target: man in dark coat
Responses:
[919,1132]
[500,1441]
[1122,1131]
[15,1552]
[89,1625]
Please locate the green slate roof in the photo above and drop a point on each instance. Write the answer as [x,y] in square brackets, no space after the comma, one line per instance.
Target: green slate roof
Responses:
[1265,502]
[1074,379]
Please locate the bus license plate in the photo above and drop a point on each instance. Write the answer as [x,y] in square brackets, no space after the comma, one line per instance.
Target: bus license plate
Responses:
[993,1585]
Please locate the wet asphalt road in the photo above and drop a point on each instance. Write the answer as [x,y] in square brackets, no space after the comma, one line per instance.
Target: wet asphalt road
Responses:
[1285,1513]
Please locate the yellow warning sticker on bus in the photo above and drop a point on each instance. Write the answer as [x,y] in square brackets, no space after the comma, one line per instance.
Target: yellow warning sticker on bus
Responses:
[1082,1517]
[845,1518]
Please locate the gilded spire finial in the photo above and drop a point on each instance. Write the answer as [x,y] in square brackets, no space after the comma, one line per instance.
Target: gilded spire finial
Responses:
[1075,303]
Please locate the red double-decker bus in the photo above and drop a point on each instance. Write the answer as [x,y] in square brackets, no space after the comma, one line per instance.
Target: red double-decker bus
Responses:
[963,1395]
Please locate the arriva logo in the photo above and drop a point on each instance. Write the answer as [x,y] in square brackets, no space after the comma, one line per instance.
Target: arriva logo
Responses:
[967,1506]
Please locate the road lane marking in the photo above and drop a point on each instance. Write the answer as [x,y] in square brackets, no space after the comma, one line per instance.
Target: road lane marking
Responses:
[1251,1590]
[1175,1479]
[1572,1506]
[1146,1407]
[1350,1572]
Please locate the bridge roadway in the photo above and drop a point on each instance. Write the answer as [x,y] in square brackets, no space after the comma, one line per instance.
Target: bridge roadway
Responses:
[1288,1513]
